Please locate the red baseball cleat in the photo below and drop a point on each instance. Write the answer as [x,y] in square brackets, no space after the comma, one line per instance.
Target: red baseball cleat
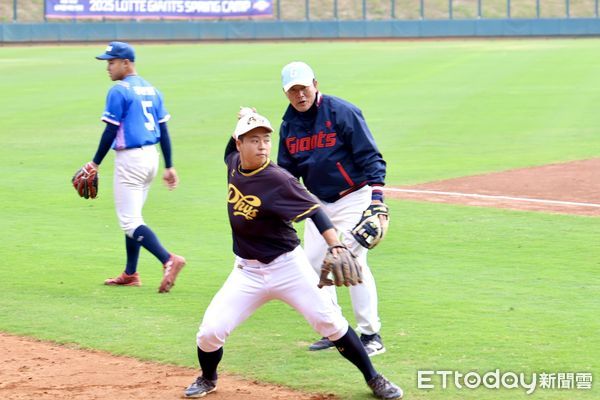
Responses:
[124,280]
[171,270]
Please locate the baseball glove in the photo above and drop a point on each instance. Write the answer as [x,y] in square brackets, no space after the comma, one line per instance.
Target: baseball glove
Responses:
[370,230]
[85,181]
[343,266]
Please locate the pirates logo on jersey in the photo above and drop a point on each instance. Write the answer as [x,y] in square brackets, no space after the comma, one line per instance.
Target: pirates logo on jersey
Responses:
[246,206]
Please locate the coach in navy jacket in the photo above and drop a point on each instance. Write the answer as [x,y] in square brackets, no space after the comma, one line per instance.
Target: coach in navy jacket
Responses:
[325,141]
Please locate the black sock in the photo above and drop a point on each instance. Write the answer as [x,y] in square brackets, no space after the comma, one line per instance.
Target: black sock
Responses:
[209,362]
[353,350]
[144,236]
[133,253]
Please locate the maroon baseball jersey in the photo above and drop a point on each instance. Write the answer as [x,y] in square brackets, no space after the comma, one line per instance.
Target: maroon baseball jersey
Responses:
[262,204]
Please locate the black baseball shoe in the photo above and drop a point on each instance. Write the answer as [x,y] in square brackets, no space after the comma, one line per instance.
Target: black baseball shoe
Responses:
[321,344]
[384,389]
[373,344]
[201,387]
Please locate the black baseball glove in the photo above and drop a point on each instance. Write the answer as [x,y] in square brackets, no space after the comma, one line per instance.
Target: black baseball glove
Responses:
[371,229]
[343,266]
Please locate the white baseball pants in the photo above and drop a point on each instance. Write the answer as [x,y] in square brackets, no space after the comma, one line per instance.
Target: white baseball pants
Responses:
[345,214]
[288,278]
[135,169]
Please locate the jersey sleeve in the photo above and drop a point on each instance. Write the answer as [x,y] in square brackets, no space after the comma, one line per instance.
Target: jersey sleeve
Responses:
[364,150]
[115,106]
[231,160]
[294,202]
[230,148]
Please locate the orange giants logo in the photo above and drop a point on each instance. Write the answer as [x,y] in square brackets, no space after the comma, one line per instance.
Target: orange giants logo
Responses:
[316,141]
[246,206]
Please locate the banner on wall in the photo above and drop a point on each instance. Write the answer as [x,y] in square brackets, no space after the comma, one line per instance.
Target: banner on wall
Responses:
[158,9]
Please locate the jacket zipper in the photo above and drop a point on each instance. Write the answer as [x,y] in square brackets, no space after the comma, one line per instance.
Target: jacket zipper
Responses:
[349,180]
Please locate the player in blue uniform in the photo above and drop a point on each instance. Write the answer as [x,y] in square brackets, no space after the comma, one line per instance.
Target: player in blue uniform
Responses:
[136,120]
[325,141]
[263,201]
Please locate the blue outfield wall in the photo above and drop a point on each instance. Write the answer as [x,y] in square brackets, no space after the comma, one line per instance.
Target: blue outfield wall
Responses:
[249,30]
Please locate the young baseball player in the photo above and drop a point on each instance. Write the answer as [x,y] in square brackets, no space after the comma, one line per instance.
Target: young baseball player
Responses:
[263,201]
[136,120]
[325,141]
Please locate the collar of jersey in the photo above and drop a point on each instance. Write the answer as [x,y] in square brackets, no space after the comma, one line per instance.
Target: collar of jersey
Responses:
[256,171]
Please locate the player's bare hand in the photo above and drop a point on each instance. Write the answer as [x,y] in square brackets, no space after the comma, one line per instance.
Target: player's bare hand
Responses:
[170,178]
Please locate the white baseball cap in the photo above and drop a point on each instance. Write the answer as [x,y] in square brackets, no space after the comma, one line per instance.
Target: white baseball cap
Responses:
[249,121]
[296,73]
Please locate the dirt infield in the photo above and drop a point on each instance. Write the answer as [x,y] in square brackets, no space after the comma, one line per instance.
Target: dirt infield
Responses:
[568,188]
[31,369]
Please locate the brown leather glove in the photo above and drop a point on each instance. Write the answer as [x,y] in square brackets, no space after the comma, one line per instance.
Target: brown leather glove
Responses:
[85,181]
[343,266]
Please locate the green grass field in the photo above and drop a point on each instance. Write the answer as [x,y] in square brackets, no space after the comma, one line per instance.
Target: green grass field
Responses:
[461,288]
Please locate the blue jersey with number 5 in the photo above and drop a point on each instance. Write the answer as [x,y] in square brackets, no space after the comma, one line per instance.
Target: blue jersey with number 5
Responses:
[137,108]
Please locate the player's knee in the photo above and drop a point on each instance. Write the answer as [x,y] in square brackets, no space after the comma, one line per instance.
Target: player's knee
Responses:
[210,338]
[332,328]
[333,331]
[339,333]
[129,226]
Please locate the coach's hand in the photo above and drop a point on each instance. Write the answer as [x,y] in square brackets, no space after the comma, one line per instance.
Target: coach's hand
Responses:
[170,178]
[373,225]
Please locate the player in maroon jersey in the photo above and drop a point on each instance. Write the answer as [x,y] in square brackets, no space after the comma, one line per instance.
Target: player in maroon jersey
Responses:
[263,201]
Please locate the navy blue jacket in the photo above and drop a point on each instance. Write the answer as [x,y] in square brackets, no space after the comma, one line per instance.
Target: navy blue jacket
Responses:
[331,148]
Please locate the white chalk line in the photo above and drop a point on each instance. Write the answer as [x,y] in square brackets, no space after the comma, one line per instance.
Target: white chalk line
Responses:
[493,197]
